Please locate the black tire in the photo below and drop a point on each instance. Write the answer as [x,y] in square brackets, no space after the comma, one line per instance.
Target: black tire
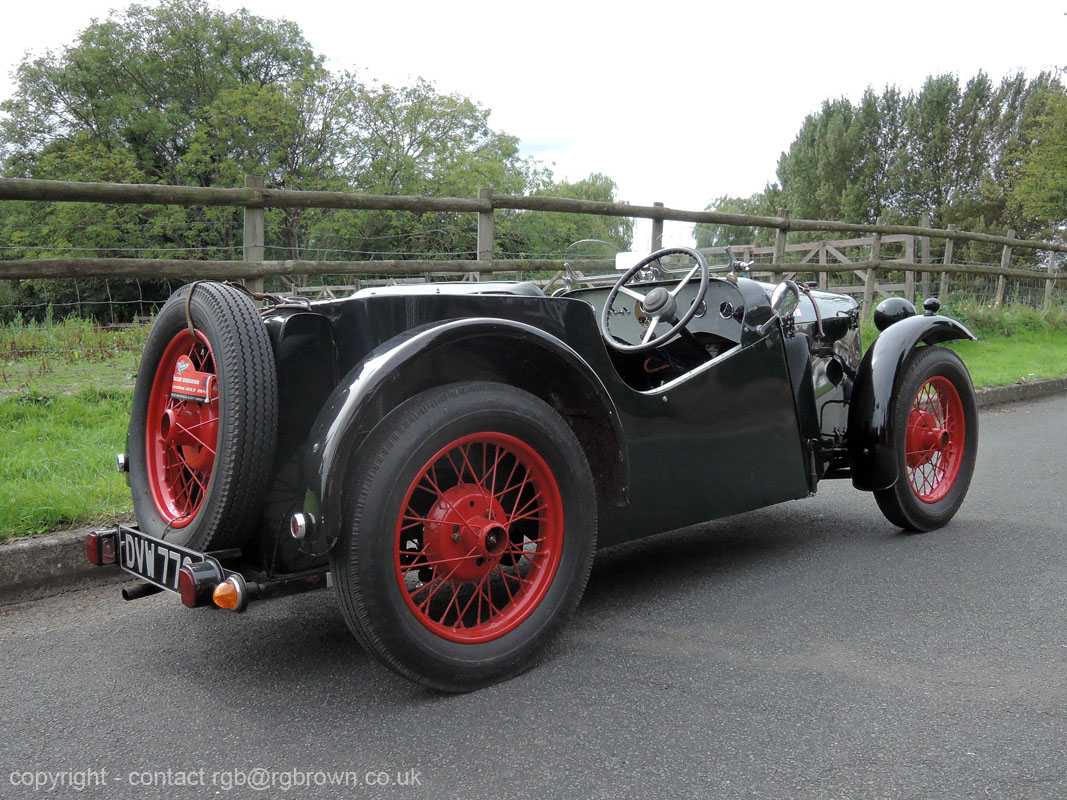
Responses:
[177,494]
[944,441]
[385,565]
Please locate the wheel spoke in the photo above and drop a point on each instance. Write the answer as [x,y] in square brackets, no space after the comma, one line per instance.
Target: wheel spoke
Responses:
[452,464]
[196,478]
[465,451]
[192,435]
[490,606]
[626,290]
[650,334]
[477,593]
[442,582]
[420,564]
[526,514]
[451,600]
[496,466]
[509,486]
[681,284]
[504,581]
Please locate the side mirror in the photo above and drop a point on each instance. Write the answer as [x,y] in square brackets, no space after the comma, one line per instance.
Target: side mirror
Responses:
[785,299]
[784,302]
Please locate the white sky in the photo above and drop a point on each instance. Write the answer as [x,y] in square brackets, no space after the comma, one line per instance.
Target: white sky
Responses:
[679,102]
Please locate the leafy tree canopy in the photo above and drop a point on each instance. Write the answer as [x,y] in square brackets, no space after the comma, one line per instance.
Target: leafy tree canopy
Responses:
[182,93]
[1041,189]
[540,233]
[762,204]
[952,150]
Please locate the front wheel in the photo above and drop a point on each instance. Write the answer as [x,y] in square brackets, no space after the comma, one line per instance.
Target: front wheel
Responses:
[935,427]
[468,537]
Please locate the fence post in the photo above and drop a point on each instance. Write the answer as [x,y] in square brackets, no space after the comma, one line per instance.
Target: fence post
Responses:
[1005,261]
[924,250]
[909,275]
[485,227]
[485,231]
[868,283]
[779,246]
[824,277]
[255,226]
[1050,281]
[950,245]
[657,232]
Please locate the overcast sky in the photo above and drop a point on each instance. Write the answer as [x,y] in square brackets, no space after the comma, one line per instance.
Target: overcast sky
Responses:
[678,102]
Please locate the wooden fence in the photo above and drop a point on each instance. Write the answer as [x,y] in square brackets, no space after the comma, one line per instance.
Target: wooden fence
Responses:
[822,258]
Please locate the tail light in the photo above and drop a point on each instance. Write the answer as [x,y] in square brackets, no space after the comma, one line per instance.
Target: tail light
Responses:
[101,547]
[197,582]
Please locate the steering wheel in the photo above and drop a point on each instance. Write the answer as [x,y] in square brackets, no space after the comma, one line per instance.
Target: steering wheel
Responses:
[660,304]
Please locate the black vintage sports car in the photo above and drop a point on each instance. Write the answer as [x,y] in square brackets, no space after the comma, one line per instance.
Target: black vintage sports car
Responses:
[451,455]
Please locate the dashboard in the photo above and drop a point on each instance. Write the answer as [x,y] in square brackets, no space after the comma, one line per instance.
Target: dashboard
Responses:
[720,313]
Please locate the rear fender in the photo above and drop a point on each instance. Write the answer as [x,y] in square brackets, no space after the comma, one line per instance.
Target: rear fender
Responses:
[870,414]
[447,352]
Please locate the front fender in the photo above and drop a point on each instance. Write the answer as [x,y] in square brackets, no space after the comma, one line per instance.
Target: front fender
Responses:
[870,413]
[418,359]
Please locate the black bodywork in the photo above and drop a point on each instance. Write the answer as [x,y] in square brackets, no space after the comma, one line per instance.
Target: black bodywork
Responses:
[742,412]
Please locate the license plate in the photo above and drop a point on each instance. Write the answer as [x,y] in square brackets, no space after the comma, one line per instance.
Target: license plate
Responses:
[152,559]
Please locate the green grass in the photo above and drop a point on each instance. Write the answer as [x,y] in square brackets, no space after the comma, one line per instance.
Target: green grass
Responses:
[57,467]
[68,356]
[65,392]
[1016,344]
[1021,358]
[67,375]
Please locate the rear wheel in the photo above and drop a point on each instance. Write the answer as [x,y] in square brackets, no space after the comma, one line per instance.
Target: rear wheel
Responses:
[935,426]
[469,535]
[203,420]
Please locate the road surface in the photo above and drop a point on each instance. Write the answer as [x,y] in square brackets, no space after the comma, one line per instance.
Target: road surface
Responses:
[803,651]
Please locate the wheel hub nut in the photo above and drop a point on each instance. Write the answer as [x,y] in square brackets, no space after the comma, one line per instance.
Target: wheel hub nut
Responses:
[494,537]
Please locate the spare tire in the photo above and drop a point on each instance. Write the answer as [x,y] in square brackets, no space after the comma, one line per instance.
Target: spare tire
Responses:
[204,420]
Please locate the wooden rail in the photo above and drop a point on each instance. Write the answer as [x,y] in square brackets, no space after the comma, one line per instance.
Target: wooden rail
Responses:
[254,198]
[250,197]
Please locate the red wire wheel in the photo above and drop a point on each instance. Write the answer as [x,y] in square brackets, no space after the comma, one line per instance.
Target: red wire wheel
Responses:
[479,537]
[935,439]
[203,421]
[469,533]
[182,428]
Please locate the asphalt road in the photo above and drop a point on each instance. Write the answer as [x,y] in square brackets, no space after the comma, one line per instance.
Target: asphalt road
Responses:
[804,651]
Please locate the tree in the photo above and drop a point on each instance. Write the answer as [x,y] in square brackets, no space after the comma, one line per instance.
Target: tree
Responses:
[143,79]
[817,174]
[184,93]
[952,151]
[1041,188]
[763,204]
[547,234]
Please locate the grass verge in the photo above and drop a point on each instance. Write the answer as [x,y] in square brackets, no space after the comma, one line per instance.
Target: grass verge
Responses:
[1016,344]
[1022,358]
[57,468]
